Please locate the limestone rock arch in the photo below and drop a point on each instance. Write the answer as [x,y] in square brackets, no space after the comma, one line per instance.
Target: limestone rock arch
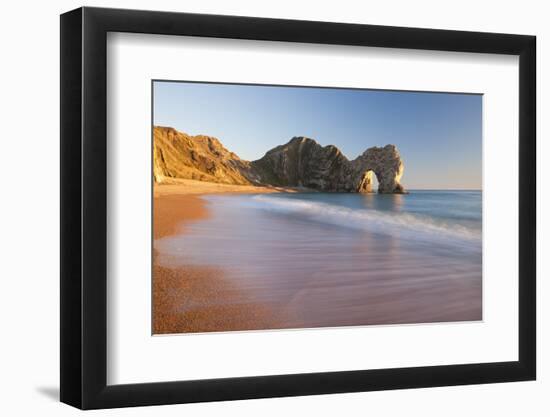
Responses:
[385,163]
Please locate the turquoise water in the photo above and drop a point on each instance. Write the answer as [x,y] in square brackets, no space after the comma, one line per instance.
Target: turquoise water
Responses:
[452,217]
[321,259]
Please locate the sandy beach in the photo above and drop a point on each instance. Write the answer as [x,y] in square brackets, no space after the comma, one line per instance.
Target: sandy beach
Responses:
[175,205]
[187,187]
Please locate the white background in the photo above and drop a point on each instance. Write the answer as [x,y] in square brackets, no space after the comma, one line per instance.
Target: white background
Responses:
[134,356]
[30,255]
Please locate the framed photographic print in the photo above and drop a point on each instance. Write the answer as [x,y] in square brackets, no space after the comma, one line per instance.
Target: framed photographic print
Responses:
[256,207]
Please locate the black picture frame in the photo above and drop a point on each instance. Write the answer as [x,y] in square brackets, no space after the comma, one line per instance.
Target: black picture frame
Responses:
[84,207]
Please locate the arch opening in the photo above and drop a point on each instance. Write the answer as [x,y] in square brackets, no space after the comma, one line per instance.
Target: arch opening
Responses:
[369,183]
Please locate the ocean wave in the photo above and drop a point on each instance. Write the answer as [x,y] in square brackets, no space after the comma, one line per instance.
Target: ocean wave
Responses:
[406,225]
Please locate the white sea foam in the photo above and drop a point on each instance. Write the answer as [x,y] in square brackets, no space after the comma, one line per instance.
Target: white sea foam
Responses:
[405,225]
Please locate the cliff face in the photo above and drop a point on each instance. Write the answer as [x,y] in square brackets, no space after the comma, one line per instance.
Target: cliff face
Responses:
[203,158]
[302,162]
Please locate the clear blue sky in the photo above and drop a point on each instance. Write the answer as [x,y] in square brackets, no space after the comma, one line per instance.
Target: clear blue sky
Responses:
[438,135]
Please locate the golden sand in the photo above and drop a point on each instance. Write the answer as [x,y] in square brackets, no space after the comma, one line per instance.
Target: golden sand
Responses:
[197,299]
[186,187]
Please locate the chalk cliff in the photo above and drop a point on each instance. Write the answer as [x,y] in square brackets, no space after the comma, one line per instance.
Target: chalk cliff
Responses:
[301,162]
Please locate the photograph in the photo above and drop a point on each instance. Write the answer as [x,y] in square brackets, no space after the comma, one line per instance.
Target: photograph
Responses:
[300,207]
[264,204]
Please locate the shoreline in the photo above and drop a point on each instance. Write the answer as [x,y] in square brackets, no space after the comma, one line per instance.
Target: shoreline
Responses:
[172,211]
[178,294]
[194,187]
[179,201]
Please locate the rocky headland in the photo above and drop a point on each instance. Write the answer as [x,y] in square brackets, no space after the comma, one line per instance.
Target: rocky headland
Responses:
[301,162]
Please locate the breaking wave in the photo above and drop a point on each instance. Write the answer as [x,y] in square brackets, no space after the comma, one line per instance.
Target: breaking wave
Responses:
[405,225]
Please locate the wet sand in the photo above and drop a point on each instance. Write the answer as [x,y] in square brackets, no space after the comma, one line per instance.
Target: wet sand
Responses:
[192,299]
